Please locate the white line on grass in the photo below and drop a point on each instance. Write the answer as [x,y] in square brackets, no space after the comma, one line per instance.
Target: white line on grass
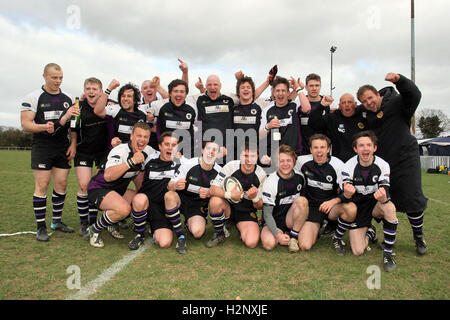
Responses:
[106,275]
[441,202]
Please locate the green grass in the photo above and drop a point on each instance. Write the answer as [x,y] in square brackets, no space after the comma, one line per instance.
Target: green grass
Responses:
[33,270]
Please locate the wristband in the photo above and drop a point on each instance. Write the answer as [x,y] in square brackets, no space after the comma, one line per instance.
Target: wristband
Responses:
[388,200]
[298,89]
[256,199]
[107,91]
[130,163]
[228,195]
[266,128]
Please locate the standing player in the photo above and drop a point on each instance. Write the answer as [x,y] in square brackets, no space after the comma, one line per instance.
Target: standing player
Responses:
[240,205]
[177,114]
[46,113]
[284,210]
[389,115]
[108,189]
[365,181]
[153,196]
[323,175]
[313,85]
[195,175]
[282,118]
[92,147]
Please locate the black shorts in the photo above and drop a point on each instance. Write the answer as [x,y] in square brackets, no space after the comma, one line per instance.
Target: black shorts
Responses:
[156,214]
[315,215]
[238,216]
[43,158]
[364,214]
[191,207]
[96,196]
[87,160]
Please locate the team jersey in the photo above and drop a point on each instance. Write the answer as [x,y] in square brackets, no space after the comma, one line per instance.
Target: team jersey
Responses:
[117,156]
[124,121]
[171,117]
[322,180]
[158,174]
[306,129]
[281,193]
[289,125]
[366,180]
[49,107]
[196,177]
[255,178]
[215,114]
[92,134]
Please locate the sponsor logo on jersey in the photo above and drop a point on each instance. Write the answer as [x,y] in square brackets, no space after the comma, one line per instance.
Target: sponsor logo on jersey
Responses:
[341,128]
[83,163]
[42,166]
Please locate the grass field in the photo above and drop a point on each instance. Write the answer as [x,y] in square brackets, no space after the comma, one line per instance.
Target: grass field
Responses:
[33,270]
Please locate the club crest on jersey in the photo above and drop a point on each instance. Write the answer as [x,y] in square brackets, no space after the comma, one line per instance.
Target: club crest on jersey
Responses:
[380,115]
[66,105]
[299,187]
[329,178]
[360,125]
[291,112]
[188,116]
[253,111]
[375,179]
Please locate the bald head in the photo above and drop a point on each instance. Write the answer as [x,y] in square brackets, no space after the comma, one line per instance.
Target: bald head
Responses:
[347,105]
[213,86]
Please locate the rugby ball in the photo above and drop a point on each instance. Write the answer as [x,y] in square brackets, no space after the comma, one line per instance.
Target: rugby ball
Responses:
[229,184]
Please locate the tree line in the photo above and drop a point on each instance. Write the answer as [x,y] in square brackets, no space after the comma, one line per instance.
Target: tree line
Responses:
[13,137]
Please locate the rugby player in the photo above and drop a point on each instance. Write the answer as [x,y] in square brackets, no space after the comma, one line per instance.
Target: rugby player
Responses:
[365,181]
[189,190]
[108,190]
[92,147]
[164,218]
[322,175]
[46,113]
[240,206]
[389,115]
[284,210]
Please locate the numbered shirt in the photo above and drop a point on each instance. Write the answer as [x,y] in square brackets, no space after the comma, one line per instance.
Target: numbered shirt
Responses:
[49,107]
[255,178]
[117,156]
[322,180]
[281,193]
[124,121]
[366,180]
[195,177]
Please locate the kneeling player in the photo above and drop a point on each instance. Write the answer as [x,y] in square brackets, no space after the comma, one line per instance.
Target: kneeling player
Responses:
[193,180]
[240,205]
[108,189]
[284,209]
[155,196]
[365,179]
[322,175]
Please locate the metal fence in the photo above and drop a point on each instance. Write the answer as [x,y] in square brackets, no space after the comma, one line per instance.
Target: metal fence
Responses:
[427,162]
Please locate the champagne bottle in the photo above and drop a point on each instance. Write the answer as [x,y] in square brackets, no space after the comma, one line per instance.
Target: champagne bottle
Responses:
[75,120]
[276,133]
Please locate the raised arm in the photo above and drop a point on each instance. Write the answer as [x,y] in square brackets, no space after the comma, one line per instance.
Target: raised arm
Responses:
[411,95]
[184,69]
[99,108]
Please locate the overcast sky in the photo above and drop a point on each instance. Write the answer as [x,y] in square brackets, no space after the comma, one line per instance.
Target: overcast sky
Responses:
[134,41]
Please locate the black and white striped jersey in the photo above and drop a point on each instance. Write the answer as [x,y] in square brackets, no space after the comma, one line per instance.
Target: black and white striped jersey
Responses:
[49,107]
[322,180]
[256,178]
[196,177]
[281,193]
[117,156]
[366,180]
[157,176]
[289,124]
[124,121]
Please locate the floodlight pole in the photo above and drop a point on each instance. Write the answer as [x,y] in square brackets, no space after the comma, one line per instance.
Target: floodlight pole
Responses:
[332,50]
[413,63]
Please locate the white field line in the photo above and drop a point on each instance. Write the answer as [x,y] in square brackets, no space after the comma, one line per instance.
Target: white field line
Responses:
[106,275]
[441,202]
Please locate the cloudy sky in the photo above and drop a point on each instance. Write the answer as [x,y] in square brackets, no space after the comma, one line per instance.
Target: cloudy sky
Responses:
[134,41]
